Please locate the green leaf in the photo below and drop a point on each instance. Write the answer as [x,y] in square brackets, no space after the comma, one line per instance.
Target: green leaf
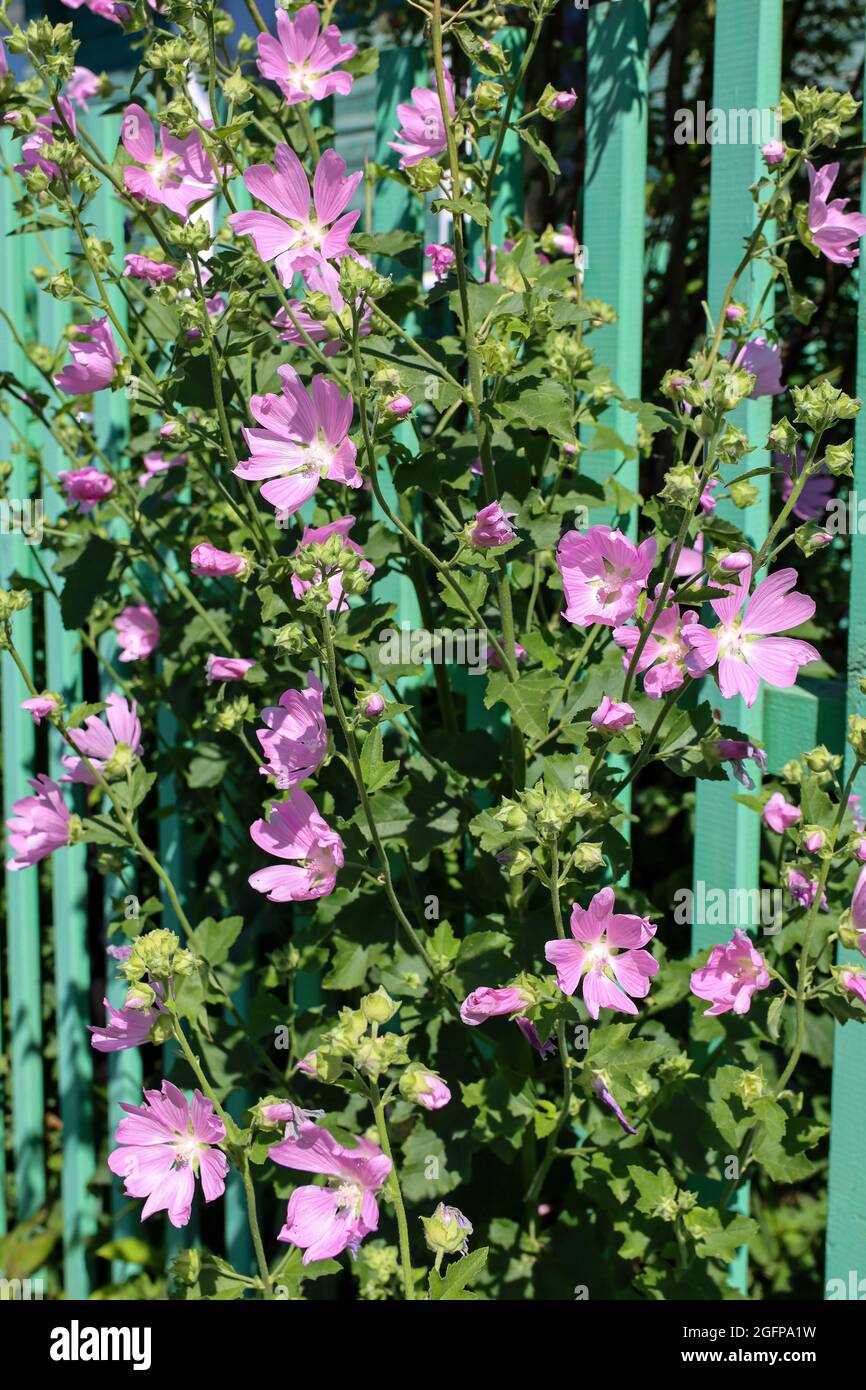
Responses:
[529,699]
[542,153]
[208,766]
[376,772]
[86,581]
[458,1277]
[214,940]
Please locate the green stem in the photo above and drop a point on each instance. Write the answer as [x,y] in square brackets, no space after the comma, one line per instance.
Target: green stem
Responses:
[396,1194]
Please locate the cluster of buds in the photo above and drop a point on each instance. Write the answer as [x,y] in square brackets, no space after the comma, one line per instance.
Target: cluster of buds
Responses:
[567,355]
[823,405]
[193,236]
[357,279]
[157,958]
[232,714]
[316,562]
[821,115]
[173,56]
[49,46]
[355,1043]
[539,817]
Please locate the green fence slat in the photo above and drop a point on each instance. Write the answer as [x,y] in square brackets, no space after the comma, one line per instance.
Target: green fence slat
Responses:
[614,199]
[68,886]
[846,1217]
[22,887]
[747,74]
[614,212]
[397,208]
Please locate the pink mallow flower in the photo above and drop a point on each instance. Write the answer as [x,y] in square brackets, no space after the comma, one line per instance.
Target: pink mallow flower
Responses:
[814,498]
[95,359]
[606,1097]
[49,127]
[208,559]
[435,1094]
[291,235]
[39,707]
[295,736]
[143,268]
[606,956]
[98,742]
[854,981]
[177,176]
[297,831]
[313,534]
[156,463]
[484,1003]
[612,716]
[764,361]
[302,61]
[736,751]
[165,1143]
[39,824]
[325,1221]
[82,85]
[493,527]
[778,813]
[803,890]
[124,1028]
[731,976]
[603,573]
[665,659]
[137,632]
[85,487]
[422,129]
[834,231]
[227,668]
[322,278]
[441,258]
[743,644]
[858,912]
[302,438]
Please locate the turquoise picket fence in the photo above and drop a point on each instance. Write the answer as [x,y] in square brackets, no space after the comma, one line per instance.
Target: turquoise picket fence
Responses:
[56,929]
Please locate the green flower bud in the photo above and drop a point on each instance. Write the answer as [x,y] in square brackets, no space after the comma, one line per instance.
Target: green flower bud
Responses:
[680,486]
[121,762]
[821,760]
[839,459]
[857,735]
[743,494]
[425,175]
[379,1007]
[236,88]
[588,857]
[447,1231]
[783,438]
[733,445]
[792,773]
[488,96]
[13,601]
